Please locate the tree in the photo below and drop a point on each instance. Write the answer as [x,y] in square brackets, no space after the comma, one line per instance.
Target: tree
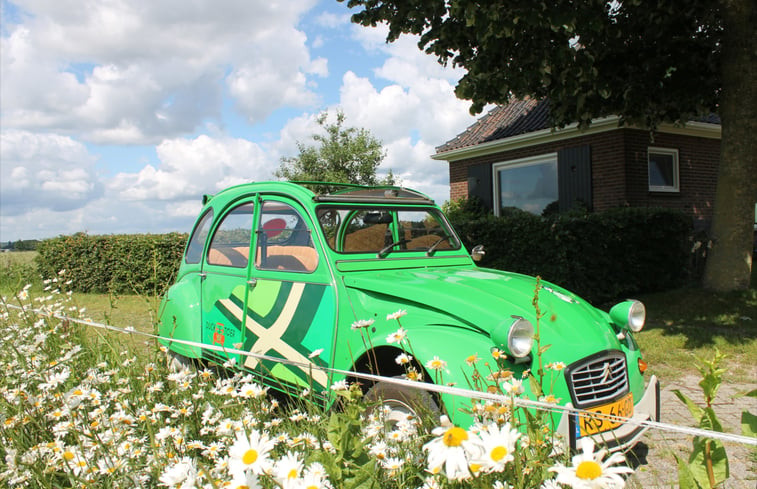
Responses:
[647,61]
[342,155]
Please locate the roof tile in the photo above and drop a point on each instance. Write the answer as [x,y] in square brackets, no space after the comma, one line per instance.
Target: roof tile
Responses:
[517,117]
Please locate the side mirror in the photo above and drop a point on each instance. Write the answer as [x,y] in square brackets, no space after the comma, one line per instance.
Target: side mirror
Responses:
[477,253]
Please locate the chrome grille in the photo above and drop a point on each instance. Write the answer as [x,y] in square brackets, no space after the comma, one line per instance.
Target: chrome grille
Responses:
[598,379]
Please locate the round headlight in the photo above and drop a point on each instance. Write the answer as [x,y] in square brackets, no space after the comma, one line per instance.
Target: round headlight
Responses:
[629,314]
[520,339]
[637,315]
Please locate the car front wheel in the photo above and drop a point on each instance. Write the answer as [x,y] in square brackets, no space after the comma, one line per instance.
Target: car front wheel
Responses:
[402,403]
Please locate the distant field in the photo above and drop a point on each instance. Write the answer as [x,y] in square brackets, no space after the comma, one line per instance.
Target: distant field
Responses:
[17,269]
[17,258]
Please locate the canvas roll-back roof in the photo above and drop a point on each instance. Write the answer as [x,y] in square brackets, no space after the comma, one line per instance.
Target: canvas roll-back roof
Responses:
[380,195]
[343,193]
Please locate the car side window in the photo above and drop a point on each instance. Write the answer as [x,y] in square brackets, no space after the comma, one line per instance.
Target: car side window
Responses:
[199,235]
[231,242]
[284,241]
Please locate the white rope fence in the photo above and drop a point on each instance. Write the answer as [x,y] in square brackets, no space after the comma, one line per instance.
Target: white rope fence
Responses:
[442,389]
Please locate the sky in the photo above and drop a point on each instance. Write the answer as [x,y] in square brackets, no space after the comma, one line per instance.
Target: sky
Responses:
[116,116]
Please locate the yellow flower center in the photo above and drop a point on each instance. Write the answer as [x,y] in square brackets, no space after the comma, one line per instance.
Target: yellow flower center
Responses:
[292,474]
[454,437]
[588,470]
[68,455]
[250,456]
[499,453]
[475,468]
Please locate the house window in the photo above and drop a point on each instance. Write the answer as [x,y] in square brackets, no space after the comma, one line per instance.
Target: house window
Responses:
[663,170]
[529,183]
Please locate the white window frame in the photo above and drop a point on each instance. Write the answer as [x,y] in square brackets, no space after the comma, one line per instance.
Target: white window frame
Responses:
[530,161]
[676,187]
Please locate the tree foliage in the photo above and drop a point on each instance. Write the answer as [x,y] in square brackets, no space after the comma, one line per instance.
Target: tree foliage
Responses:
[591,58]
[647,61]
[340,155]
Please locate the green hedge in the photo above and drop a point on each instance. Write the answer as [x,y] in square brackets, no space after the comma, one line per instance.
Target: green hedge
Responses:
[138,263]
[600,256]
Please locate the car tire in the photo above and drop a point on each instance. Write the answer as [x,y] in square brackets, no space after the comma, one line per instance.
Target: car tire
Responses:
[403,402]
[177,362]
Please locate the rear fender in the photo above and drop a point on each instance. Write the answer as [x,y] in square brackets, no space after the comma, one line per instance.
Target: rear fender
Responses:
[181,317]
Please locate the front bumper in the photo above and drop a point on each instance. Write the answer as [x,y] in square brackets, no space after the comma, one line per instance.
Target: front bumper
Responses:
[624,436]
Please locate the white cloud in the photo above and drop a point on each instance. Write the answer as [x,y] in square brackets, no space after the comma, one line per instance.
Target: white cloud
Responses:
[135,72]
[331,20]
[44,171]
[190,168]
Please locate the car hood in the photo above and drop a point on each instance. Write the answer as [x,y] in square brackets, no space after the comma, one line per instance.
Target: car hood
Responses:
[482,299]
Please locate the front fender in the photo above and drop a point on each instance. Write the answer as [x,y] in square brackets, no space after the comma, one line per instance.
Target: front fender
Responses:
[455,346]
[181,316]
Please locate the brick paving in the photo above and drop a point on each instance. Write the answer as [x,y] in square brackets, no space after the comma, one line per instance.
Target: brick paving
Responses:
[656,464]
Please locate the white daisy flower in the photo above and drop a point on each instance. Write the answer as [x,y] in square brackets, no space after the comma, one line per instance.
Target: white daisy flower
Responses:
[287,470]
[362,323]
[341,385]
[397,314]
[252,390]
[397,337]
[514,387]
[498,443]
[251,452]
[315,477]
[181,475]
[451,451]
[556,366]
[392,464]
[403,359]
[436,364]
[588,471]
[242,479]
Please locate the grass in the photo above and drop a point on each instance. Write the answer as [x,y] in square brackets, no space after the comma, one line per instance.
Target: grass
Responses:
[686,324]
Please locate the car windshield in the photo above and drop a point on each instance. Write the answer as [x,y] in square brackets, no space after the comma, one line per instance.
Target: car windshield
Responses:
[385,230]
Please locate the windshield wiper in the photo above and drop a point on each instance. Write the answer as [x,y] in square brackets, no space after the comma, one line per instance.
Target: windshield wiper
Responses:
[437,243]
[386,248]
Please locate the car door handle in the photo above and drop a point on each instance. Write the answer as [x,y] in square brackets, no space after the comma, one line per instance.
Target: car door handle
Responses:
[252,282]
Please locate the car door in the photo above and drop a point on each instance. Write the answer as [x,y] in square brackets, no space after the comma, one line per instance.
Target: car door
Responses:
[291,309]
[225,280]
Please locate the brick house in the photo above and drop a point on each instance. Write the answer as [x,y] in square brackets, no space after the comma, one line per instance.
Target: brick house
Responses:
[511,158]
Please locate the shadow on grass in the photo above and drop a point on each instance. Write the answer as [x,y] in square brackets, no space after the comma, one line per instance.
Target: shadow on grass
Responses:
[702,316]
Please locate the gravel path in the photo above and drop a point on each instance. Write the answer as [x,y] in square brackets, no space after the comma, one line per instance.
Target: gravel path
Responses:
[656,465]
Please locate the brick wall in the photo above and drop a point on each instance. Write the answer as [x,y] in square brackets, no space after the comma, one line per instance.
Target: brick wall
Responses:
[619,170]
[697,169]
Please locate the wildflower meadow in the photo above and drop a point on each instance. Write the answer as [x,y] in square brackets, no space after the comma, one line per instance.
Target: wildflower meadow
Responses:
[83,408]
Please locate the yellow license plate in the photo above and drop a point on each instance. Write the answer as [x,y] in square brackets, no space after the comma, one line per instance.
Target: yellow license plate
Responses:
[590,425]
